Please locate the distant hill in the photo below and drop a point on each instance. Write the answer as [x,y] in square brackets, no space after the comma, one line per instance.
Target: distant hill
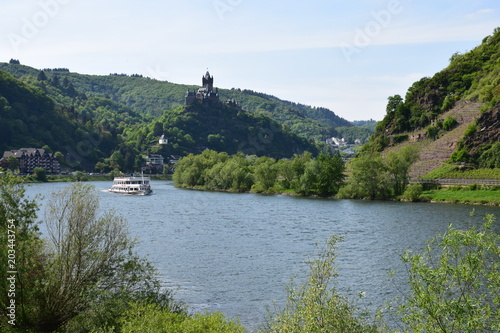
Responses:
[94,132]
[150,97]
[440,114]
[29,118]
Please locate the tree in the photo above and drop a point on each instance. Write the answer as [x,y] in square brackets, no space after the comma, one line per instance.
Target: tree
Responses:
[101,167]
[80,176]
[308,182]
[18,215]
[116,161]
[393,103]
[13,163]
[86,250]
[265,173]
[47,149]
[158,128]
[40,174]
[42,76]
[331,175]
[455,283]
[316,305]
[369,177]
[398,165]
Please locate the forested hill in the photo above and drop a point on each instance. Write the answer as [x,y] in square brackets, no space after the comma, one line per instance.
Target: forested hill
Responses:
[472,77]
[152,97]
[97,133]
[217,126]
[83,135]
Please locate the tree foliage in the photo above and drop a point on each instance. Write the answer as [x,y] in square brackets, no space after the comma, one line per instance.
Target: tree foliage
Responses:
[26,248]
[85,253]
[455,283]
[85,276]
[316,305]
[150,318]
[150,98]
[303,174]
[375,176]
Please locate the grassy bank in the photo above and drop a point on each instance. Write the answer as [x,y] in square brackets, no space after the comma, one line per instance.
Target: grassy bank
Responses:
[462,195]
[450,171]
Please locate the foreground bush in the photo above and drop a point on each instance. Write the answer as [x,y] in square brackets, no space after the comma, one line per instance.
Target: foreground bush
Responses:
[152,319]
[316,305]
[455,283]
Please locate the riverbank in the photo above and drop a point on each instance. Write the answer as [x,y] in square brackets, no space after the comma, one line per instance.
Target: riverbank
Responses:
[467,195]
[464,195]
[84,177]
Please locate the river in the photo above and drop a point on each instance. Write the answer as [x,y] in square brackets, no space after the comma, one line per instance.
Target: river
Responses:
[235,253]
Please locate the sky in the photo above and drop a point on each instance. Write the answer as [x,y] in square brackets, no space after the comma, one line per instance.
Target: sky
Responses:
[348,56]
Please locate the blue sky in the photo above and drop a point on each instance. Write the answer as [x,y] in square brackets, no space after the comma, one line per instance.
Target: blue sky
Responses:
[348,56]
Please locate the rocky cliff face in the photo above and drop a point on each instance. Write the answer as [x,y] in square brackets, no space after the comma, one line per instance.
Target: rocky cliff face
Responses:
[487,131]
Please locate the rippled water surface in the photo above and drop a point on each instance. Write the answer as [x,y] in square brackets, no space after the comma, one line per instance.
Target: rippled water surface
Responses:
[235,253]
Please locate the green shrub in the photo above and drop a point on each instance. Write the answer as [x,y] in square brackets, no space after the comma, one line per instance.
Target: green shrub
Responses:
[316,305]
[454,283]
[490,158]
[449,123]
[472,187]
[432,132]
[152,319]
[471,130]
[459,156]
[413,192]
[455,188]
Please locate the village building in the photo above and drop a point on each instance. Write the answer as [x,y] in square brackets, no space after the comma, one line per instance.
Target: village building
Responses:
[163,140]
[31,158]
[154,163]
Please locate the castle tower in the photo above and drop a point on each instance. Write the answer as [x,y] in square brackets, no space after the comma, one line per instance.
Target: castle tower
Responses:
[208,82]
[205,93]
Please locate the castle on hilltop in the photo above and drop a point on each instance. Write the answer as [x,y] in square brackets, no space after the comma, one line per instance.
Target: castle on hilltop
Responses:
[205,93]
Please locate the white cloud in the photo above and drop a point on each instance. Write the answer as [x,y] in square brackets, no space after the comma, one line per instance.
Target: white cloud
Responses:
[479,14]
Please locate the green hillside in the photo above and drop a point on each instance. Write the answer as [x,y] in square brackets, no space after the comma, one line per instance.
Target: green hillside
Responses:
[452,116]
[29,118]
[95,132]
[217,126]
[152,97]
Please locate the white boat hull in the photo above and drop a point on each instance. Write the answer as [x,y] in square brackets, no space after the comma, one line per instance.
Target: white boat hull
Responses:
[131,185]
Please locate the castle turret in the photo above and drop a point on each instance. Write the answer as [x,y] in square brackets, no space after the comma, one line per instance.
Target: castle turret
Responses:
[205,93]
[208,82]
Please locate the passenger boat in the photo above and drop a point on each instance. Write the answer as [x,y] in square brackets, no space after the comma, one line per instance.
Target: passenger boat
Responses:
[131,185]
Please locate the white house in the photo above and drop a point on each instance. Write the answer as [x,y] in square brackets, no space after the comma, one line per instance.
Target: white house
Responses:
[163,140]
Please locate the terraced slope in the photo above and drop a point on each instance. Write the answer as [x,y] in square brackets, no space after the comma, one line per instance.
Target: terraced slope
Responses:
[434,154]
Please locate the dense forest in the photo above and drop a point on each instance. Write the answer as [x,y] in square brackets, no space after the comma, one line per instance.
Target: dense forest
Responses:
[152,97]
[213,125]
[99,133]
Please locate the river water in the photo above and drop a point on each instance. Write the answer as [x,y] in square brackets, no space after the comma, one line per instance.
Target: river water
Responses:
[236,253]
